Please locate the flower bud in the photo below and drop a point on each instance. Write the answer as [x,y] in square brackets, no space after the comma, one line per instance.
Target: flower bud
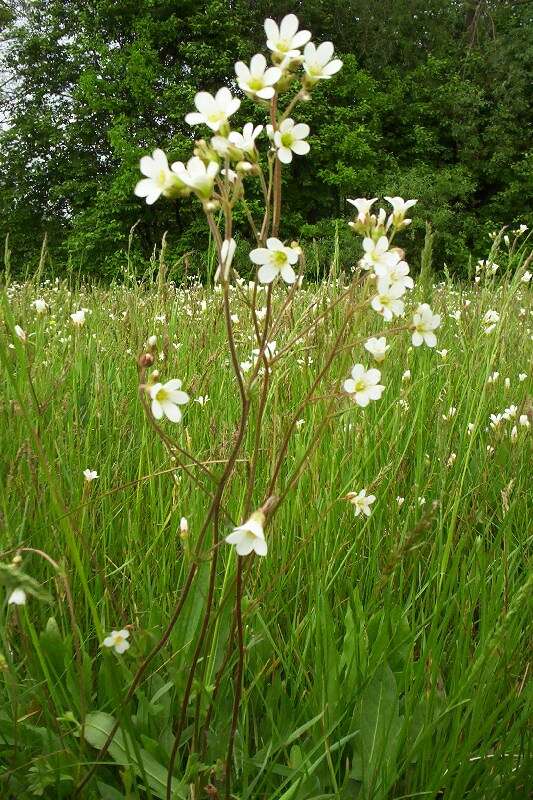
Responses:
[145,360]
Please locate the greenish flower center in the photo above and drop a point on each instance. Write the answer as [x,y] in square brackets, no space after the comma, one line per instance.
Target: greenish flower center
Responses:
[280,258]
[256,83]
[287,139]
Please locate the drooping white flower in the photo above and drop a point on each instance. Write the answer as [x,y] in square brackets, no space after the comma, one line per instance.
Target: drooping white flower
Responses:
[361,502]
[364,385]
[387,301]
[399,209]
[78,317]
[227,251]
[245,141]
[197,176]
[290,138]
[377,253]
[275,259]
[250,536]
[118,640]
[377,347]
[213,111]
[319,63]
[20,333]
[424,323]
[257,80]
[40,305]
[285,40]
[159,179]
[166,399]
[17,597]
[90,475]
[363,206]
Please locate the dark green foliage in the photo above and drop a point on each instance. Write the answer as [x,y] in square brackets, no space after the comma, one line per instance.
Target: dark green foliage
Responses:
[433,102]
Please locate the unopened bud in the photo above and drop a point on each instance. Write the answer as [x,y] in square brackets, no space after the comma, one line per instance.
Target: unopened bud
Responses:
[145,360]
[184,528]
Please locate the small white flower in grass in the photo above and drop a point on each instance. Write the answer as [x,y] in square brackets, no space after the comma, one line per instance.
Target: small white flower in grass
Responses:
[245,366]
[425,322]
[40,305]
[17,597]
[387,301]
[522,376]
[399,209]
[364,385]
[78,318]
[197,176]
[290,138]
[514,433]
[90,475]
[245,141]
[250,536]
[118,640]
[377,253]
[159,179]
[507,383]
[299,423]
[490,320]
[400,501]
[166,399]
[363,206]
[361,502]
[184,527]
[270,351]
[285,40]
[275,259]
[213,111]
[20,334]
[377,347]
[257,80]
[202,400]
[510,413]
[496,420]
[493,377]
[470,428]
[523,420]
[319,63]
[526,277]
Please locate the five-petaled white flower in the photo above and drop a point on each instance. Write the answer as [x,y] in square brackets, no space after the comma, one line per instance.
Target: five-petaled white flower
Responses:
[424,323]
[319,63]
[399,208]
[78,317]
[159,179]
[40,305]
[364,385]
[387,301]
[166,399]
[377,347]
[290,138]
[250,536]
[118,640]
[377,253]
[395,272]
[17,597]
[257,80]
[90,475]
[196,175]
[275,259]
[213,111]
[361,502]
[245,141]
[284,41]
[363,206]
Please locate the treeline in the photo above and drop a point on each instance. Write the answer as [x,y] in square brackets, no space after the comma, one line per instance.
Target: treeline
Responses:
[433,102]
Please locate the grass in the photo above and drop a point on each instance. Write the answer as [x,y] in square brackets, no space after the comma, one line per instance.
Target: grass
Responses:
[384,657]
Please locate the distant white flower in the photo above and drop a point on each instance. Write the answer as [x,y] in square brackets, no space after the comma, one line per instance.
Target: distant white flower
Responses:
[245,366]
[275,259]
[250,536]
[490,320]
[90,475]
[493,377]
[152,341]
[510,413]
[424,323]
[514,433]
[526,277]
[400,501]
[496,420]
[363,206]
[17,597]
[289,139]
[522,376]
[285,40]
[257,80]
[299,423]
[245,141]
[470,428]
[387,301]
[406,376]
[523,420]
[270,351]
[184,527]
[364,385]
[361,502]
[451,459]
[202,400]
[20,334]
[377,347]
[166,399]
[377,254]
[197,176]
[213,111]
[78,317]
[399,209]
[118,640]
[159,179]
[40,305]
[319,63]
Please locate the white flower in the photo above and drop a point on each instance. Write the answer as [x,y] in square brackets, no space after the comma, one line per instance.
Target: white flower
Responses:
[363,206]
[40,305]
[470,428]
[522,376]
[257,80]
[118,640]
[510,413]
[395,272]
[90,475]
[493,377]
[289,139]
[361,501]
[523,420]
[152,341]
[213,111]
[377,254]
[159,179]
[406,376]
[490,319]
[202,400]
[184,527]
[245,141]
[526,277]
[196,175]
[249,536]
[319,63]
[284,41]
[387,301]
[270,351]
[399,208]
[424,323]
[364,385]
[78,317]
[514,433]
[377,347]
[275,259]
[17,597]
[245,366]
[20,334]
[496,420]
[166,399]
[227,251]
[400,501]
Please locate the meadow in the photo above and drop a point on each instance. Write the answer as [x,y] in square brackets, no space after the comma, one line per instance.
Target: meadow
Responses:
[384,656]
